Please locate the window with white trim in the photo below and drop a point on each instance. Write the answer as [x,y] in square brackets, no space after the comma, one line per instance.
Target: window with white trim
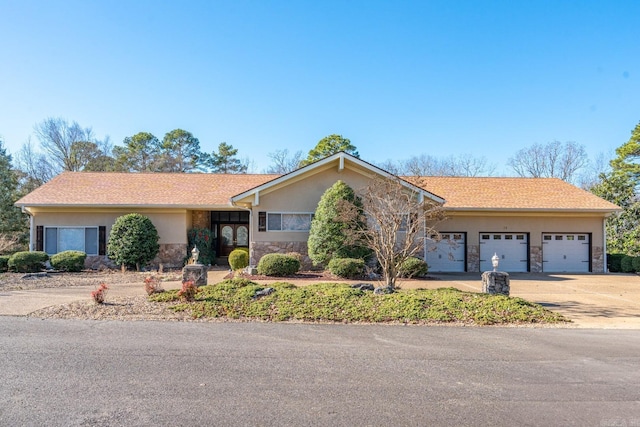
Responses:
[60,239]
[289,221]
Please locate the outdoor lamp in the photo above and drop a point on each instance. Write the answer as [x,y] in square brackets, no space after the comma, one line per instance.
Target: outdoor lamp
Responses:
[495,259]
[195,253]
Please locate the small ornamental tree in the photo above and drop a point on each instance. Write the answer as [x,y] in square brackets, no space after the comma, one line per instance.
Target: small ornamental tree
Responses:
[328,235]
[133,241]
[398,218]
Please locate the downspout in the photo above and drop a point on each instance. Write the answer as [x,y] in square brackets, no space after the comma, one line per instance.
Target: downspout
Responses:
[604,244]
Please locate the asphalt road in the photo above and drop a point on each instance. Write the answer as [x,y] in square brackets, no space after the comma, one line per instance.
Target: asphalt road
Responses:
[91,373]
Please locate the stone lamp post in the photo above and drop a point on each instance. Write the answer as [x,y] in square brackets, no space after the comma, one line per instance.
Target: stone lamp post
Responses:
[196,272]
[195,253]
[495,282]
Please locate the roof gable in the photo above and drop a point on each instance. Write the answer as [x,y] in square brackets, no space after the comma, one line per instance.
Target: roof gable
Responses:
[340,160]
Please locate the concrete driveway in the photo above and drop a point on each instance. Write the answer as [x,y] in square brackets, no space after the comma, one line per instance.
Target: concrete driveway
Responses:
[589,300]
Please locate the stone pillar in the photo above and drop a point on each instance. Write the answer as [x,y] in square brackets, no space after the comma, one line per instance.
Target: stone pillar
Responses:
[195,272]
[536,259]
[495,282]
[473,258]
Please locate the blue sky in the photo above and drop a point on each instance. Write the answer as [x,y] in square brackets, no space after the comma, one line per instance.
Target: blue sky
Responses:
[398,78]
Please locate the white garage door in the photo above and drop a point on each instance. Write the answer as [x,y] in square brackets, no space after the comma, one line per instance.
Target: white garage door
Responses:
[512,249]
[446,254]
[565,253]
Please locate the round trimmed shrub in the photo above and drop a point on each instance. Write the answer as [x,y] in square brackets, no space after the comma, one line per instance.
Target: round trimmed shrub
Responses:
[278,265]
[347,268]
[27,262]
[413,267]
[68,261]
[614,262]
[4,263]
[626,264]
[133,241]
[239,258]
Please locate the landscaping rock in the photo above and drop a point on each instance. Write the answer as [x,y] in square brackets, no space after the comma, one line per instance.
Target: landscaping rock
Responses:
[263,293]
[364,286]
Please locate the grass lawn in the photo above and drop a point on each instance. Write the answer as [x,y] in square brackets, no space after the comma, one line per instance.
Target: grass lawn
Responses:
[338,302]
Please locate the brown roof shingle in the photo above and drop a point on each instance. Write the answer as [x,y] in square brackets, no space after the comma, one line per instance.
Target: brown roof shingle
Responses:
[469,193]
[104,189]
[141,189]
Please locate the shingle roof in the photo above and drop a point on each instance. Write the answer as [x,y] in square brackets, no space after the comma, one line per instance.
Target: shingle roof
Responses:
[141,189]
[103,189]
[553,194]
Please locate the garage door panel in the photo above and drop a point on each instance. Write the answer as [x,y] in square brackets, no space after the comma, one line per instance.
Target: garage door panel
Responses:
[446,253]
[511,248]
[565,252]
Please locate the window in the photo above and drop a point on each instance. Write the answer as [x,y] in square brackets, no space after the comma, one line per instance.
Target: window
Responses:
[289,221]
[546,237]
[508,237]
[60,239]
[558,237]
[570,237]
[582,237]
[497,237]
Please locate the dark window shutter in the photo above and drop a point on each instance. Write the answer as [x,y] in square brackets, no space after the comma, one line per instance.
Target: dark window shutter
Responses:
[262,221]
[102,240]
[39,238]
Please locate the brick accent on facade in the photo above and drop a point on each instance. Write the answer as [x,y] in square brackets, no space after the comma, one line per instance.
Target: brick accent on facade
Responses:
[473,258]
[201,219]
[597,259]
[536,259]
[260,249]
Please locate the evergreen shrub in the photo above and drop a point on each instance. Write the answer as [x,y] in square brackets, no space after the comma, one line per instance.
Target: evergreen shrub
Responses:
[278,265]
[635,263]
[133,241]
[4,263]
[239,258]
[72,261]
[413,267]
[28,262]
[614,262]
[627,264]
[347,268]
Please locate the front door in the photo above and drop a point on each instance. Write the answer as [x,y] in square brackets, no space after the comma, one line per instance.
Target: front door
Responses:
[233,236]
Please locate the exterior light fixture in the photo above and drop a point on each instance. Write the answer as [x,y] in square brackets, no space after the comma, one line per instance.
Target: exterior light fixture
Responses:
[495,259]
[195,253]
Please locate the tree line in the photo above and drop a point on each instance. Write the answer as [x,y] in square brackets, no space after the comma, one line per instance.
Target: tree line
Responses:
[67,146]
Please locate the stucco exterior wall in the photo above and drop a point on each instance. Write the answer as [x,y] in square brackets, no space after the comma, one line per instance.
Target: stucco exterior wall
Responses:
[171,225]
[300,197]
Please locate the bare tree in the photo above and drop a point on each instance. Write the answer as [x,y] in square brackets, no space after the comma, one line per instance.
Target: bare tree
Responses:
[426,165]
[34,167]
[282,162]
[57,138]
[397,219]
[552,160]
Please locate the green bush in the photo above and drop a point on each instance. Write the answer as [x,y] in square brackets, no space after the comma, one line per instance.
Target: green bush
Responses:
[4,263]
[239,258]
[347,268]
[27,262]
[329,237]
[626,264]
[202,238]
[413,267]
[635,263]
[68,261]
[278,265]
[614,262]
[133,241]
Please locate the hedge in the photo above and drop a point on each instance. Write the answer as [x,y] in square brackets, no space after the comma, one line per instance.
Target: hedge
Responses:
[68,261]
[27,262]
[347,268]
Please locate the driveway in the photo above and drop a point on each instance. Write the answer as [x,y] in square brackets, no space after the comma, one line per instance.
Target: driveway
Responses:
[589,300]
